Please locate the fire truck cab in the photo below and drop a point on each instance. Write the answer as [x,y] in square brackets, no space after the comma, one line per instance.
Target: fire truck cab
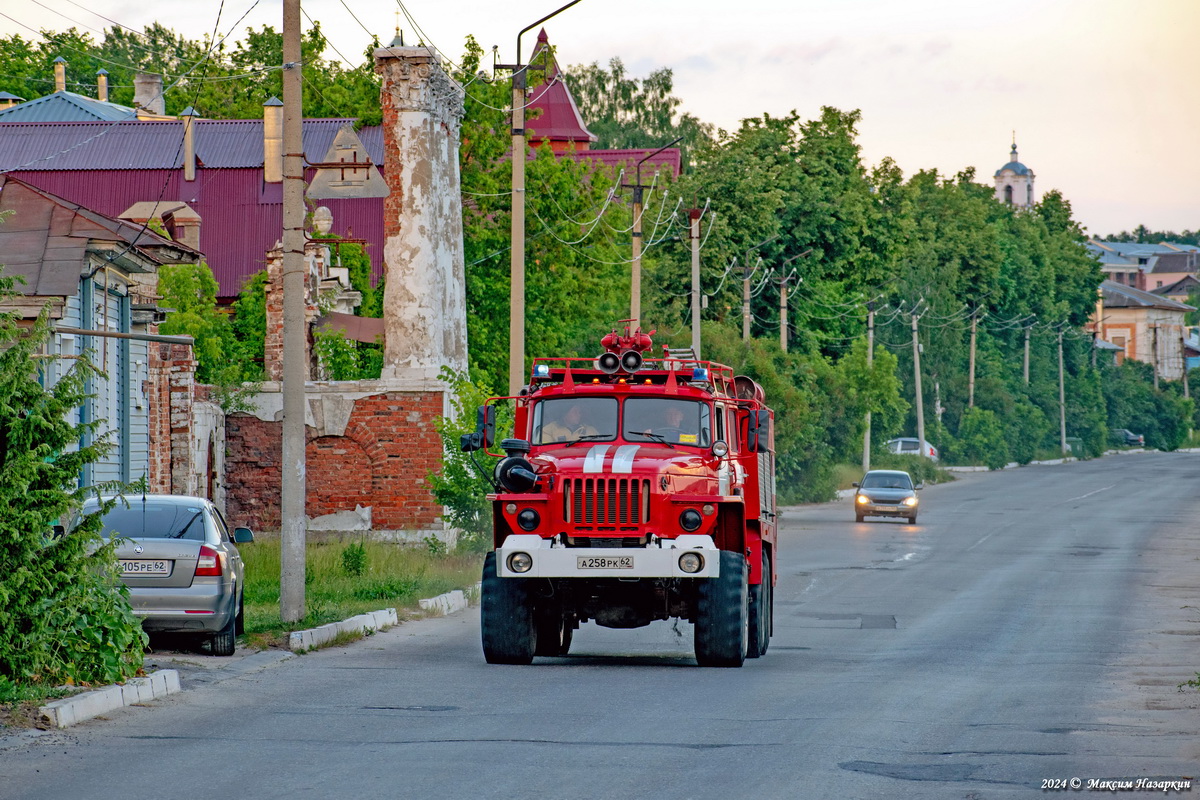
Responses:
[634,489]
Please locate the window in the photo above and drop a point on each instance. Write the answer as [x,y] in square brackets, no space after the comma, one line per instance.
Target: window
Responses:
[154,519]
[886,480]
[1008,195]
[655,419]
[572,419]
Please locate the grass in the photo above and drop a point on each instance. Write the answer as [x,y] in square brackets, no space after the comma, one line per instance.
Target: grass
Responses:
[345,579]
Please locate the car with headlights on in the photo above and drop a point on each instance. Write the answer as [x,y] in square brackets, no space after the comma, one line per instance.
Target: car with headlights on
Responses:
[886,493]
[182,566]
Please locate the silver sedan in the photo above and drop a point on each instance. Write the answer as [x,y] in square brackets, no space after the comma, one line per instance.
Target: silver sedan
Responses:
[886,493]
[181,564]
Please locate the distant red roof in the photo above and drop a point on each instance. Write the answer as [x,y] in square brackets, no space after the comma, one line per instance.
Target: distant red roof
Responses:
[552,113]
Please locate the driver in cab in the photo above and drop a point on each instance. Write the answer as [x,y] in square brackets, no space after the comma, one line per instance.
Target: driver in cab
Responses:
[674,428]
[569,427]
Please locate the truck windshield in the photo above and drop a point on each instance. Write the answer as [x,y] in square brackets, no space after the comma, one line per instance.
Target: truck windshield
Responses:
[569,419]
[674,421]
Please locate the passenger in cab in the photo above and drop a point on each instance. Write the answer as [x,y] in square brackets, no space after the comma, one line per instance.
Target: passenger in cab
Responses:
[569,427]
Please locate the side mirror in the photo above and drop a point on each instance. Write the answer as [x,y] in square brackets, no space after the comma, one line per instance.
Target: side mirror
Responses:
[759,429]
[855,484]
[485,424]
[485,431]
[242,536]
[919,486]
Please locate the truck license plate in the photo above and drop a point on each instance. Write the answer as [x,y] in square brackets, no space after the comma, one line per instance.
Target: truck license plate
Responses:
[604,562]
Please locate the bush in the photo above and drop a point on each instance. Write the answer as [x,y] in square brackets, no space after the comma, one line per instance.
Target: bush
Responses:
[64,616]
[981,439]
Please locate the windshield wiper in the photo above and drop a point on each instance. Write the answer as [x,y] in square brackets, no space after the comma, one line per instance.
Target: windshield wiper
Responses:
[587,437]
[657,437]
[180,533]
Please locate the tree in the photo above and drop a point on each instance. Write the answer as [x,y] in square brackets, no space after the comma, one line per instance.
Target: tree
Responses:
[64,615]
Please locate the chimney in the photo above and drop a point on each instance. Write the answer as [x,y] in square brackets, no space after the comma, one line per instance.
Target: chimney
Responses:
[60,74]
[102,86]
[189,143]
[183,225]
[148,93]
[273,141]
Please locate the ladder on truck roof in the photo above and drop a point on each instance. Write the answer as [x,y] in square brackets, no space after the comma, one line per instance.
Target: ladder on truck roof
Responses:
[681,356]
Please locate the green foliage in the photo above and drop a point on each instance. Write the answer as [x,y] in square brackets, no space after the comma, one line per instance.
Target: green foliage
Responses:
[343,359]
[1026,432]
[64,617]
[461,486]
[194,70]
[354,559]
[981,439]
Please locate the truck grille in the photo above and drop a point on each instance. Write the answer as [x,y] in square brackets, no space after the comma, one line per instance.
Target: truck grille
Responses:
[606,501]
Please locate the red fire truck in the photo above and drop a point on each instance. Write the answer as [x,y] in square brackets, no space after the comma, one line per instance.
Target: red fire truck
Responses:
[635,489]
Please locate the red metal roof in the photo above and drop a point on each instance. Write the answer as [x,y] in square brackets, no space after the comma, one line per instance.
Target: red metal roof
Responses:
[240,218]
[552,113]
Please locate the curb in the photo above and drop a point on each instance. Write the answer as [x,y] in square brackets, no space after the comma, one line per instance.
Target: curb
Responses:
[363,623]
[73,710]
[446,603]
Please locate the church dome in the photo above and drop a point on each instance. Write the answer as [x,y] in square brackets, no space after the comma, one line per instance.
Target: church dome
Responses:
[1014,166]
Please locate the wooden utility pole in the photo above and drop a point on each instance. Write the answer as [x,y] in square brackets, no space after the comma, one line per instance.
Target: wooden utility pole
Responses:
[866,459]
[694,219]
[1028,328]
[1062,397]
[916,345]
[292,530]
[971,376]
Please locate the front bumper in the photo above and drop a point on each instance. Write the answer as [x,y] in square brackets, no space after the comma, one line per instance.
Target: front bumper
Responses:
[658,560]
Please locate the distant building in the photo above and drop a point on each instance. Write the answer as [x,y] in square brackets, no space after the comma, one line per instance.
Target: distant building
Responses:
[1146,266]
[1014,182]
[1144,326]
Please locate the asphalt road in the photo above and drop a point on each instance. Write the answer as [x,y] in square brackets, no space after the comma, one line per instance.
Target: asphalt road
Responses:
[1032,627]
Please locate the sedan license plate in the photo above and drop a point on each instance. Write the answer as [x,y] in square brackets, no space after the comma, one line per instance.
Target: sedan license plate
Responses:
[604,562]
[145,567]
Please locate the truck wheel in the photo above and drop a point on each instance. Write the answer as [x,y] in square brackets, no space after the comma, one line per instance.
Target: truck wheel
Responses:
[760,612]
[506,619]
[554,633]
[721,615]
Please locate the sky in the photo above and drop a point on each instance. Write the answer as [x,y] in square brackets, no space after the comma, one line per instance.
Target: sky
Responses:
[1103,95]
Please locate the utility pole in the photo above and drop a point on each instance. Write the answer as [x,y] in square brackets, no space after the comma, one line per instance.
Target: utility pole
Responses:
[516,298]
[1154,354]
[635,282]
[1062,397]
[1028,328]
[694,232]
[971,376]
[746,301]
[1183,355]
[783,325]
[866,459]
[292,531]
[916,345]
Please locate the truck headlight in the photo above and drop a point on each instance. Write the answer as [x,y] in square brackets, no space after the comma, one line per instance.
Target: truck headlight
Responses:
[690,520]
[528,519]
[691,562]
[520,562]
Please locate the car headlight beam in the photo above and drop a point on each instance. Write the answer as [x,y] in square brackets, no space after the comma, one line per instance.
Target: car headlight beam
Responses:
[910,501]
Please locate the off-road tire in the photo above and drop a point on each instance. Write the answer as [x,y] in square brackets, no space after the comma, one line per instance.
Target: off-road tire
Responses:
[506,618]
[760,612]
[224,641]
[722,616]
[554,632]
